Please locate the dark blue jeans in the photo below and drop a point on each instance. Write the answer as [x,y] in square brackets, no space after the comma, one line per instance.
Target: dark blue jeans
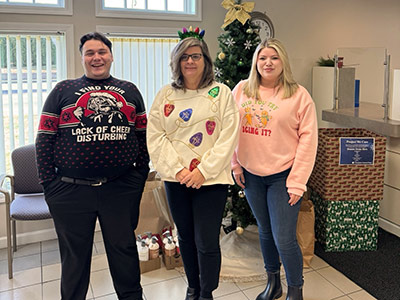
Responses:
[198,215]
[277,222]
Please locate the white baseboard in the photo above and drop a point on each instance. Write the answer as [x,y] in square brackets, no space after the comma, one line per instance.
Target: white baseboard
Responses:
[389,226]
[35,236]
[31,237]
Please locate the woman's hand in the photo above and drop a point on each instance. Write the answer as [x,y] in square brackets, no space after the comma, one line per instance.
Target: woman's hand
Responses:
[181,174]
[194,179]
[239,178]
[293,199]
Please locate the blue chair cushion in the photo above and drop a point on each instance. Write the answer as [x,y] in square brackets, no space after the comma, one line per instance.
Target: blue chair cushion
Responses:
[29,207]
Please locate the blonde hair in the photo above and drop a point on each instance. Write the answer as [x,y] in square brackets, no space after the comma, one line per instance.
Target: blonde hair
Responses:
[285,80]
[178,51]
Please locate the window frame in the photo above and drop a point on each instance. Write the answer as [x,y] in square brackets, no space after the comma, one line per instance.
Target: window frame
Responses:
[140,32]
[146,14]
[41,9]
[25,28]
[9,28]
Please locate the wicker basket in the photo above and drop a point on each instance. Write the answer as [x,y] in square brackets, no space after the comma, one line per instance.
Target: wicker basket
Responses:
[336,182]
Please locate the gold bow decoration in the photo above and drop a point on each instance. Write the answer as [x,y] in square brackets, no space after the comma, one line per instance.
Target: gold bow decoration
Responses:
[236,11]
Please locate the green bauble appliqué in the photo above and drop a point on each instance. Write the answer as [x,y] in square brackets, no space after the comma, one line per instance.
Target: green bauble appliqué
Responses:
[214,92]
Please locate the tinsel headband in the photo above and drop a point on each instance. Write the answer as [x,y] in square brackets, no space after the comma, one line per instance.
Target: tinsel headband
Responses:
[185,33]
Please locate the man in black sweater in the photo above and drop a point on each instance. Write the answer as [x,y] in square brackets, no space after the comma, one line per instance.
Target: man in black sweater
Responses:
[93,162]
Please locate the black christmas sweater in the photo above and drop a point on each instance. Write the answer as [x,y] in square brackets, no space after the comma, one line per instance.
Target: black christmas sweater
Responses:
[91,129]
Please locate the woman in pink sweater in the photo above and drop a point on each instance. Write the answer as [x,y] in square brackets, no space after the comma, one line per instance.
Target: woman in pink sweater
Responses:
[274,159]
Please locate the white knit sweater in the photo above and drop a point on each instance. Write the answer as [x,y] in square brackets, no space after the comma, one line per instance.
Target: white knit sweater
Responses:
[193,127]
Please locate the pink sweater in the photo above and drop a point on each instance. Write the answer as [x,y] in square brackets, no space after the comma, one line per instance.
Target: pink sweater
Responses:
[275,135]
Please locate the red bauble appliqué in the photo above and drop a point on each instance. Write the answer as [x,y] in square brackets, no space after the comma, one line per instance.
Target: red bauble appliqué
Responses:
[193,164]
[168,109]
[210,126]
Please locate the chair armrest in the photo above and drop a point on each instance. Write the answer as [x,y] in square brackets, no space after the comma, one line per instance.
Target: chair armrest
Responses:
[4,191]
[3,179]
[6,195]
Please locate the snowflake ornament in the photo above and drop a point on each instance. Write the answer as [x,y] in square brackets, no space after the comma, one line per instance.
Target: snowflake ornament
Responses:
[230,42]
[247,45]
[218,72]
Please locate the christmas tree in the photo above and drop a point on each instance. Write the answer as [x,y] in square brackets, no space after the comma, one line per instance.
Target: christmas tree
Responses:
[237,45]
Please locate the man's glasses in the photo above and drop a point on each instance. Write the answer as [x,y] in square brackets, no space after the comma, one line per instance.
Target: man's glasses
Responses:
[194,56]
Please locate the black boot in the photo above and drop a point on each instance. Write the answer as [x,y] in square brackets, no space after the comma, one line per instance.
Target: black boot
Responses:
[192,294]
[273,289]
[294,293]
[201,298]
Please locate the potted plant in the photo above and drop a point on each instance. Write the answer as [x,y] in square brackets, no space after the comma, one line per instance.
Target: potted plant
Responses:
[326,62]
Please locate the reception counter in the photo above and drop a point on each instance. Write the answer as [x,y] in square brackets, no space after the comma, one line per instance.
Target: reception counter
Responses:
[371,116]
[368,115]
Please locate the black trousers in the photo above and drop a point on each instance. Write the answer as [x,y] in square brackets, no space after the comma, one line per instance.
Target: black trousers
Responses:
[75,209]
[198,215]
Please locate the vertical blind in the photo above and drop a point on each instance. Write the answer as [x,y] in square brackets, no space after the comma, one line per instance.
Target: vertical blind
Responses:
[144,61]
[30,65]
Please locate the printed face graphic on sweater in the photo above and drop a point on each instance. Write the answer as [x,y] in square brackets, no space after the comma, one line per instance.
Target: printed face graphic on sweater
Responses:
[98,115]
[102,115]
[106,110]
[256,117]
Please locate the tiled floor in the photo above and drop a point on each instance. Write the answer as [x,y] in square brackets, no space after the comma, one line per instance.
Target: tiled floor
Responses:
[37,277]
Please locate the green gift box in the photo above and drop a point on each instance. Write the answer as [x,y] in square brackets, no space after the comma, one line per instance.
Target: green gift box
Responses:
[346,225]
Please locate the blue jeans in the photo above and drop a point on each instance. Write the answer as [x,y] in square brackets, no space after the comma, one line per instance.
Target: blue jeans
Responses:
[277,222]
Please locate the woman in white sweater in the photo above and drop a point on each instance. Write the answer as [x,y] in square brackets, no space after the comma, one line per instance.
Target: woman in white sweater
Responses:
[192,132]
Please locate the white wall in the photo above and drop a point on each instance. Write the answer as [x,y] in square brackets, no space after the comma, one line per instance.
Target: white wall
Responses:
[390,206]
[308,28]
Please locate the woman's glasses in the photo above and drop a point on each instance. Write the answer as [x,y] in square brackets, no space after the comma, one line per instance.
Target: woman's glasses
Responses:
[194,56]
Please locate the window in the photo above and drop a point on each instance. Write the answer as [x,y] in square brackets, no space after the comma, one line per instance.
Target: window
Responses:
[52,7]
[150,9]
[157,5]
[142,56]
[30,65]
[144,61]
[57,3]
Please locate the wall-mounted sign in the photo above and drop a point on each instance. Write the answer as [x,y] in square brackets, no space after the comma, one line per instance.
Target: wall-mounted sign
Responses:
[357,151]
